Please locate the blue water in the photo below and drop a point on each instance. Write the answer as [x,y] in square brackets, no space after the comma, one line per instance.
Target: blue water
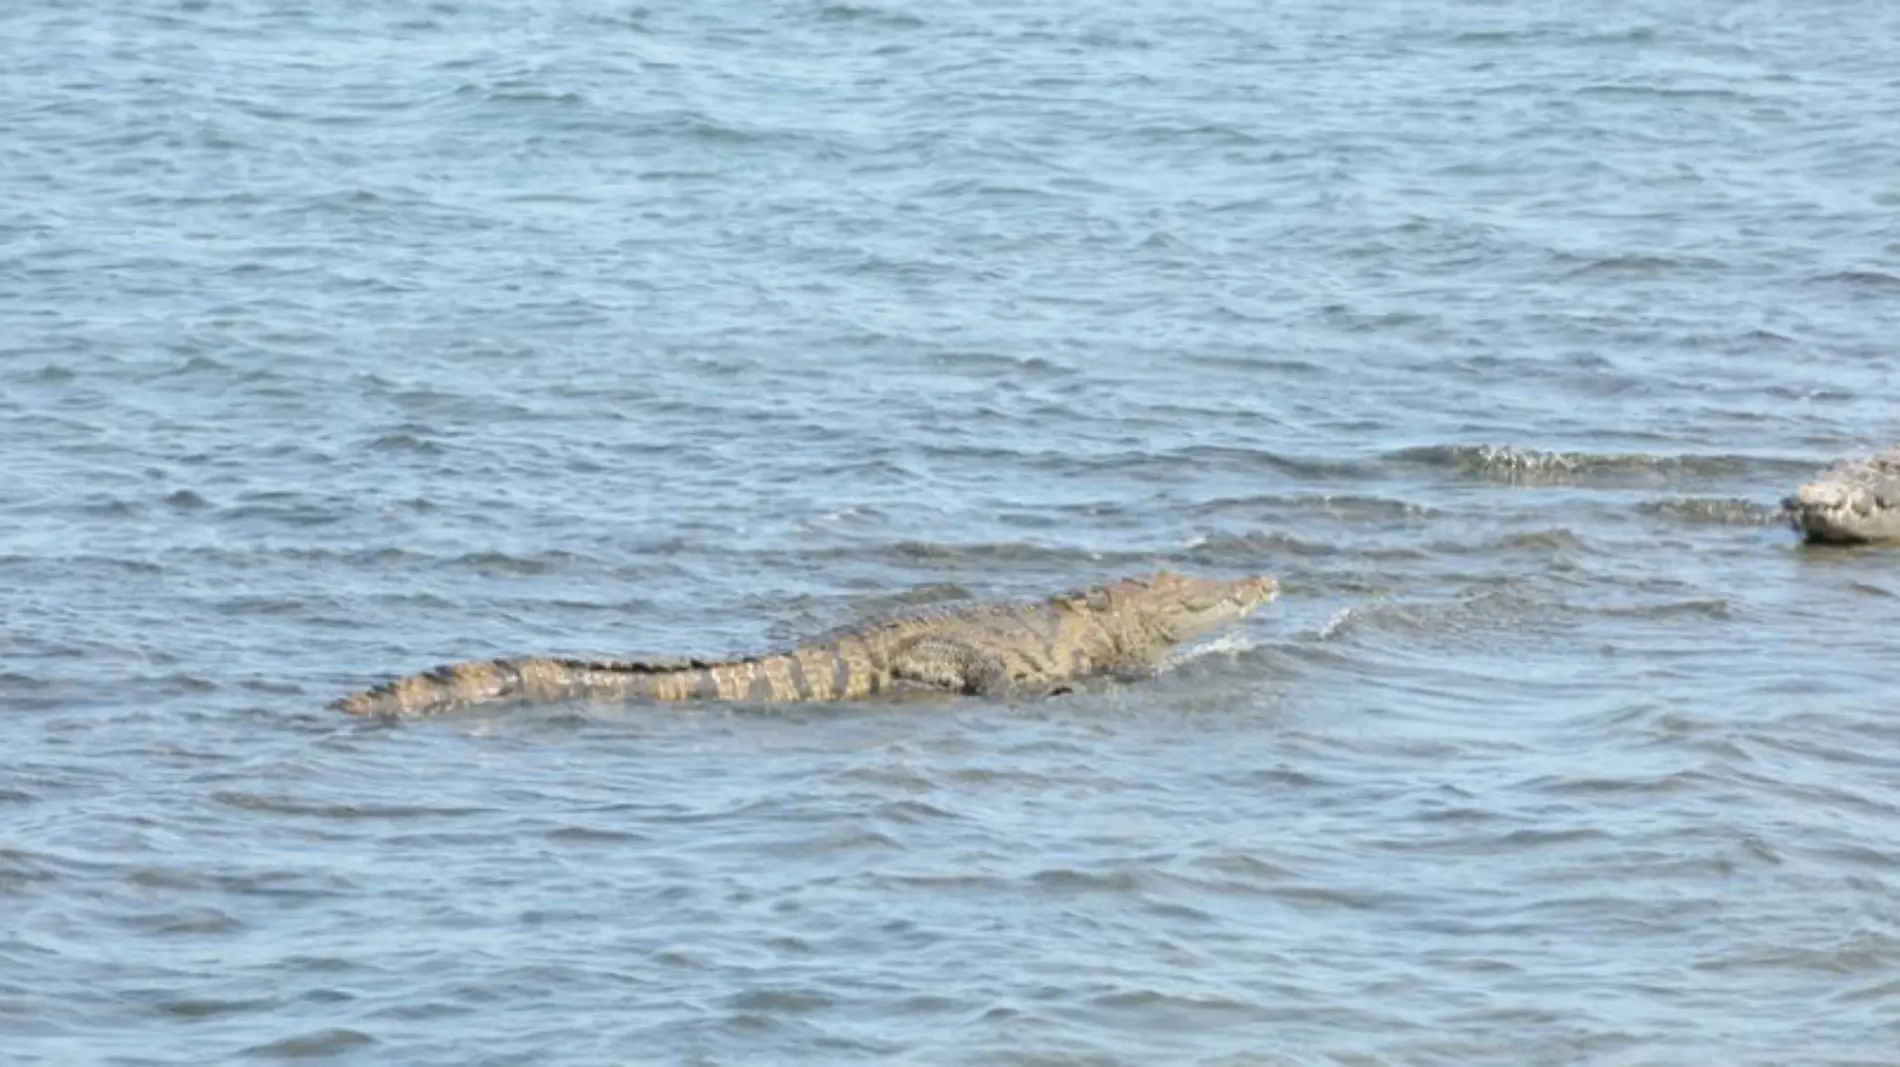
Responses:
[340,340]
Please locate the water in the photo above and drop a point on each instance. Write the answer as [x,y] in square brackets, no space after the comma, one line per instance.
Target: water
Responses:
[340,340]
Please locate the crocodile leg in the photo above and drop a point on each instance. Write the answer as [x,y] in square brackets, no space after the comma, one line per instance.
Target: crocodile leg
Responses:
[954,666]
[950,665]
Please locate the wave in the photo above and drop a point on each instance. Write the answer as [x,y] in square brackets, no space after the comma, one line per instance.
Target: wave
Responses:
[1347,507]
[1530,466]
[1501,610]
[1716,511]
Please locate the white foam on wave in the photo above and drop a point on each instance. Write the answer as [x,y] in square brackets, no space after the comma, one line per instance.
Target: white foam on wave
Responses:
[1225,644]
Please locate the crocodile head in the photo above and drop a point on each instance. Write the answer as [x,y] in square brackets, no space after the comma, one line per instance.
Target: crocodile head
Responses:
[1857,501]
[1180,607]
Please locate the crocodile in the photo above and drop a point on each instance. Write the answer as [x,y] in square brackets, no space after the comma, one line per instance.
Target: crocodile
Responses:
[989,649]
[1851,501]
[1854,501]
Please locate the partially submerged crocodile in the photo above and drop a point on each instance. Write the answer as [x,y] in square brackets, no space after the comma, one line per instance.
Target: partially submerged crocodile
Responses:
[987,649]
[1852,501]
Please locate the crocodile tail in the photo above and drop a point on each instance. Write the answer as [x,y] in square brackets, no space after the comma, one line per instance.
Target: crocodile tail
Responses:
[538,680]
[840,670]
[802,674]
[444,688]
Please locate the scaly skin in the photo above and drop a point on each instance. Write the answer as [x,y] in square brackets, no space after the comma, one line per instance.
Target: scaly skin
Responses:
[986,649]
[1852,501]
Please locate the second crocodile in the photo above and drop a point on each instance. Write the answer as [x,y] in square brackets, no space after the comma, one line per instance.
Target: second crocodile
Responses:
[1852,501]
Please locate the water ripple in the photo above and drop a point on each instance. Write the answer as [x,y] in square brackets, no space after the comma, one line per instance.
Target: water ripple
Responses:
[346,340]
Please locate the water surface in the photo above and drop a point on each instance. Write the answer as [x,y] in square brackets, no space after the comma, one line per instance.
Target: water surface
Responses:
[339,341]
